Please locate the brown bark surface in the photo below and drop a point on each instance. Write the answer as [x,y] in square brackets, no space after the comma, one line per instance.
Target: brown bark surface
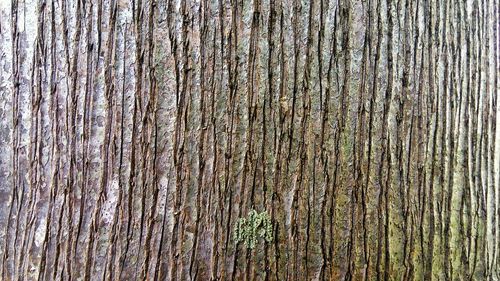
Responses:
[134,135]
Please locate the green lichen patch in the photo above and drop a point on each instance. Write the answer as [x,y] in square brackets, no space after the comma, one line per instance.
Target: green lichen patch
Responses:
[254,226]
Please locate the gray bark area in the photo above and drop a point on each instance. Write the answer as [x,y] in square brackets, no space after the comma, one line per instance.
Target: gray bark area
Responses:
[134,135]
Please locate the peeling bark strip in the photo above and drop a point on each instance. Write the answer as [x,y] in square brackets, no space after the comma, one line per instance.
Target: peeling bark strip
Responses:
[134,135]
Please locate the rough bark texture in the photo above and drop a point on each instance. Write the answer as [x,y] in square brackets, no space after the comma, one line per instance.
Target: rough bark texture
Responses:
[134,135]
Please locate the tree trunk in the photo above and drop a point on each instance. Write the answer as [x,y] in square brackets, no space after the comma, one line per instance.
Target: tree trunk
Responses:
[136,137]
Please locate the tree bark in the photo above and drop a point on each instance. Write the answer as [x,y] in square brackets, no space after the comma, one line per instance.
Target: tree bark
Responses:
[135,135]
